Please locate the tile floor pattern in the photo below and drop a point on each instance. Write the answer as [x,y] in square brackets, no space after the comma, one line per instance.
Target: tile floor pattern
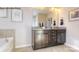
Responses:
[59,48]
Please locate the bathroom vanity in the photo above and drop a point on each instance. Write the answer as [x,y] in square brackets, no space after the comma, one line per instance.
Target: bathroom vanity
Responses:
[43,37]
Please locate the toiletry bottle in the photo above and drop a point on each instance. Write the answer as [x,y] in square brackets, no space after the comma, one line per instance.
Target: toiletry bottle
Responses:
[42,24]
[54,23]
[61,22]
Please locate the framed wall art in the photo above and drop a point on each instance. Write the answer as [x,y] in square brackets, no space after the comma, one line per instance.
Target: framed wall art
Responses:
[74,15]
[17,14]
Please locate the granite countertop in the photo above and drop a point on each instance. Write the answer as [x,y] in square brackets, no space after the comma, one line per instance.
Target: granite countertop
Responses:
[54,28]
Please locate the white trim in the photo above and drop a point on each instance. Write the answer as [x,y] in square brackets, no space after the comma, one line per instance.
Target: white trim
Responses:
[72,46]
[26,45]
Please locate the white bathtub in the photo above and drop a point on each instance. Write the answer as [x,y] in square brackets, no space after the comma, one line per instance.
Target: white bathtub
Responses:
[6,44]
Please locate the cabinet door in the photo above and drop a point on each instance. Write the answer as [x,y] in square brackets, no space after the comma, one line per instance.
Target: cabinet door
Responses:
[61,36]
[45,37]
[38,38]
[41,39]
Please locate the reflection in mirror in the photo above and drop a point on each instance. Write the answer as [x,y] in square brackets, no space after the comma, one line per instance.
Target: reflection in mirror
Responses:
[44,17]
[41,17]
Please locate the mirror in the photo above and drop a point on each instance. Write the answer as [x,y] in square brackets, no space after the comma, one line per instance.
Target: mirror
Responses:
[41,17]
[44,17]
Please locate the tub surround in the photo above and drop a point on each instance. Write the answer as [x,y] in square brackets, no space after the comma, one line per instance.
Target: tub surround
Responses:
[7,35]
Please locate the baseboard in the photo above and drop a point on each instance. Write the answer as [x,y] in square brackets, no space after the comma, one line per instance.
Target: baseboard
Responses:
[72,46]
[21,46]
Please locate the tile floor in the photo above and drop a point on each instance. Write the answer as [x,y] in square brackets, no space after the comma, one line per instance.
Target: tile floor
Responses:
[59,48]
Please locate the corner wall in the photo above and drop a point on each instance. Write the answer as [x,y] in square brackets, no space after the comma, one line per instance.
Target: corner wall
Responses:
[72,35]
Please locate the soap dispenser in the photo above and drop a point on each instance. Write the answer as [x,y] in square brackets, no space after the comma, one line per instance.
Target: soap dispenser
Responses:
[54,23]
[61,23]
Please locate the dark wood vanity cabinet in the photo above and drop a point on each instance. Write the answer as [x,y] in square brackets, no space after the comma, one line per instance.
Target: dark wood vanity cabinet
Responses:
[45,38]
